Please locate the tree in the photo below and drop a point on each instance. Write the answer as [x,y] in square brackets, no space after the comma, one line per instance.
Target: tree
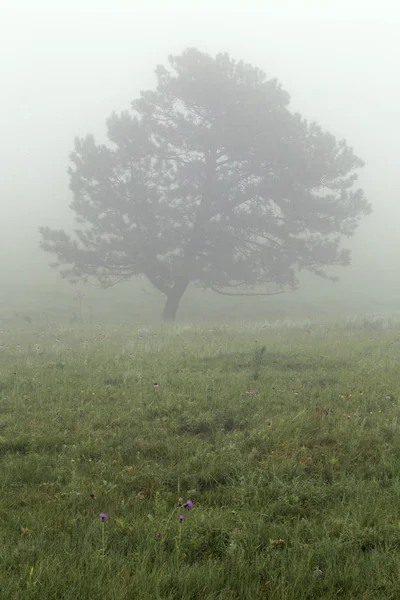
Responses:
[210,179]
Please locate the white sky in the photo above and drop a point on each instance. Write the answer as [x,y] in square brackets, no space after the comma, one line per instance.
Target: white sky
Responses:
[66,65]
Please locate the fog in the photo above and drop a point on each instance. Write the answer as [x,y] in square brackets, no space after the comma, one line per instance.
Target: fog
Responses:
[65,66]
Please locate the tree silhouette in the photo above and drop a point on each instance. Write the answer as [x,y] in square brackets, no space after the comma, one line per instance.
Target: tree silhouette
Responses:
[210,179]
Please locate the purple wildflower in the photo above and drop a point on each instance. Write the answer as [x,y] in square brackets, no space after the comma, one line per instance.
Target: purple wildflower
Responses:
[103,516]
[189,504]
[181,518]
[159,533]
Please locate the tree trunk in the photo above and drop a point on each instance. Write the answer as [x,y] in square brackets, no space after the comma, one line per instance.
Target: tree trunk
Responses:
[174,297]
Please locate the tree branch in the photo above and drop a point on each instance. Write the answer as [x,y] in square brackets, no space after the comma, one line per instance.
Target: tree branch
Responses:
[149,293]
[158,283]
[246,293]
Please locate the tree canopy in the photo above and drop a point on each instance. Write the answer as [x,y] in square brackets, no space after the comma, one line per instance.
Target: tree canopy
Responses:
[210,179]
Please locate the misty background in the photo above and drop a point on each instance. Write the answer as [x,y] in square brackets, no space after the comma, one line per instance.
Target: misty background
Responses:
[65,66]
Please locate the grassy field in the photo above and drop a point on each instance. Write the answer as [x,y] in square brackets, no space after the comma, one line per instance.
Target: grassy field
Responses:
[284,439]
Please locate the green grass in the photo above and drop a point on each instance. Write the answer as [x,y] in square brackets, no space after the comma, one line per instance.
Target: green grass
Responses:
[233,426]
